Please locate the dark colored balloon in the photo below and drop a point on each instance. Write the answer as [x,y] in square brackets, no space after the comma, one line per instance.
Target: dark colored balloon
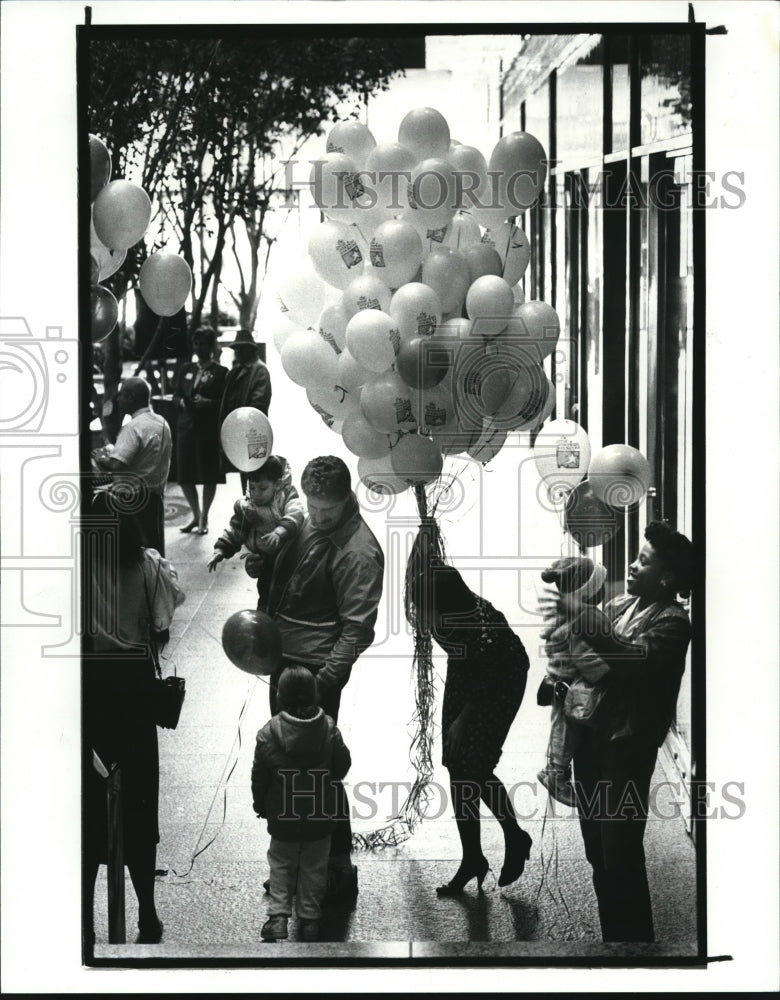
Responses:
[104,313]
[421,362]
[587,519]
[252,642]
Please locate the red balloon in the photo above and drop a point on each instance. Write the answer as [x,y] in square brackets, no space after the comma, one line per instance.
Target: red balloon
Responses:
[252,642]
[104,313]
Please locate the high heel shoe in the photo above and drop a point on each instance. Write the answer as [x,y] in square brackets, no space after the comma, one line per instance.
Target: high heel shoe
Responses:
[517,853]
[189,527]
[464,874]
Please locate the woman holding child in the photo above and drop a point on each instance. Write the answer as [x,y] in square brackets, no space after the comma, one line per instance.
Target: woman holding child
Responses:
[642,639]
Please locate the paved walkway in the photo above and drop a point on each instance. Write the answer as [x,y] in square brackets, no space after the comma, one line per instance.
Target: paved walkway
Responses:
[213,906]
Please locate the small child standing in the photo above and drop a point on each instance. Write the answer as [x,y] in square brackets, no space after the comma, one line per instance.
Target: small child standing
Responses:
[298,757]
[573,673]
[271,513]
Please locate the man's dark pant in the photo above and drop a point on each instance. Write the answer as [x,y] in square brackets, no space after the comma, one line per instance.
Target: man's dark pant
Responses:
[341,838]
[613,783]
[151,518]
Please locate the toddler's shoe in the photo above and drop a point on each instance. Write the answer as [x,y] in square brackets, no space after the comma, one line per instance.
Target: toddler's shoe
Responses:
[309,930]
[274,929]
[557,781]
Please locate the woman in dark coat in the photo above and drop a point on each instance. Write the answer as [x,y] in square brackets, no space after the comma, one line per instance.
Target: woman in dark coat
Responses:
[197,397]
[487,667]
[118,720]
[643,638]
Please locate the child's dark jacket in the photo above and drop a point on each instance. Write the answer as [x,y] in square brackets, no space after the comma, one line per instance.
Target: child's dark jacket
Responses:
[296,763]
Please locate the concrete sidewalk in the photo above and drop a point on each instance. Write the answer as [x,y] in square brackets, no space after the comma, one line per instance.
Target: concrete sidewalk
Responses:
[213,905]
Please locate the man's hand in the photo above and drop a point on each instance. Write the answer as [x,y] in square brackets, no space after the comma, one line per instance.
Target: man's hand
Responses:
[216,558]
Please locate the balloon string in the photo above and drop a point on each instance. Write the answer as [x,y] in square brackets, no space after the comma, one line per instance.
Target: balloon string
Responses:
[236,738]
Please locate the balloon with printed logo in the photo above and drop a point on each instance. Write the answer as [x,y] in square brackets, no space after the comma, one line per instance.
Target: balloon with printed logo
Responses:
[520,162]
[416,309]
[309,360]
[350,374]
[365,292]
[247,438]
[389,166]
[252,642]
[432,237]
[417,459]
[421,362]
[353,139]
[470,169]
[121,214]
[165,281]
[362,439]
[434,408]
[538,323]
[378,475]
[104,313]
[425,132]
[513,248]
[431,194]
[562,456]
[482,259]
[489,303]
[99,166]
[332,326]
[447,273]
[463,231]
[373,339]
[588,519]
[619,475]
[108,261]
[395,252]
[301,294]
[334,404]
[386,402]
[336,253]
[335,186]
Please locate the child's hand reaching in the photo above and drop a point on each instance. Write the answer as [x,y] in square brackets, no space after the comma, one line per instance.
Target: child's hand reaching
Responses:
[216,558]
[272,540]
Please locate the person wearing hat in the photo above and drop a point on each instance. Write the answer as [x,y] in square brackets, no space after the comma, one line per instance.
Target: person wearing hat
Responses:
[247,384]
[573,673]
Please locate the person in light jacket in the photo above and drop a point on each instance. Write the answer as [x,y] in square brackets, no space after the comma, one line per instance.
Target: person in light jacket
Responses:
[324,596]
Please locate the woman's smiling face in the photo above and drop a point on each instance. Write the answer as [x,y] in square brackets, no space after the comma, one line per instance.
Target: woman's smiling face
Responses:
[647,574]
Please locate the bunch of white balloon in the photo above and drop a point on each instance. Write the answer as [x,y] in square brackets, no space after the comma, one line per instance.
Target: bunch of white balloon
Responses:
[430,348]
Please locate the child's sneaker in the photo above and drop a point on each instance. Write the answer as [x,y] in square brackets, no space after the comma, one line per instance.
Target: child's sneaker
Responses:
[309,930]
[557,781]
[274,929]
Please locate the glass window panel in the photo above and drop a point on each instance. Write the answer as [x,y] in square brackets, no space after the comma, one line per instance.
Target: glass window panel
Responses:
[619,50]
[580,107]
[665,68]
[537,115]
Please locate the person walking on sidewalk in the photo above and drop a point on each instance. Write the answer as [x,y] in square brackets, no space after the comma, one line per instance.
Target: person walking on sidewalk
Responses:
[643,638]
[298,756]
[324,596]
